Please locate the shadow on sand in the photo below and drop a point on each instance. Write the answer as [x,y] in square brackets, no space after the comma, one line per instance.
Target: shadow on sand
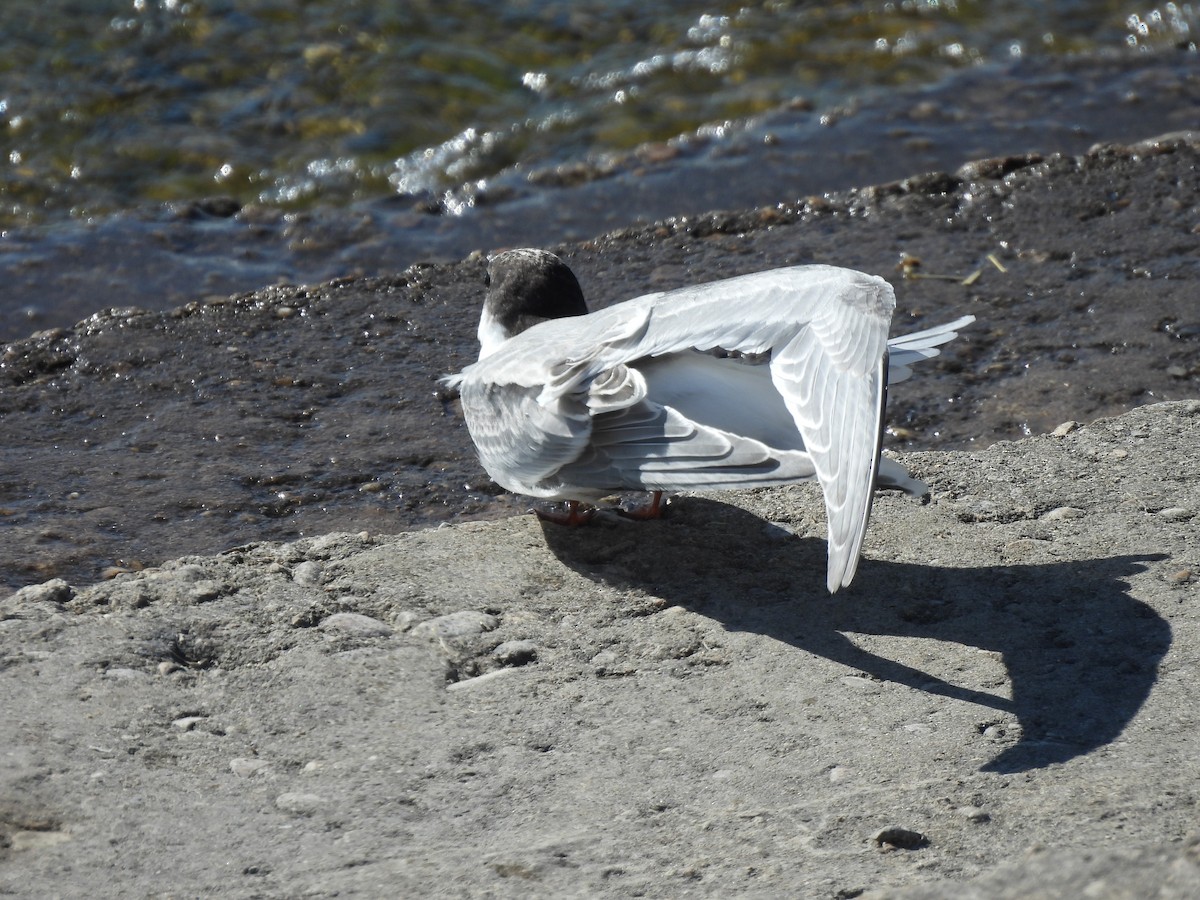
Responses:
[1081,654]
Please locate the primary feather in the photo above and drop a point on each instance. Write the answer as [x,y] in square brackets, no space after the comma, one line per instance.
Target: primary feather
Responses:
[566,404]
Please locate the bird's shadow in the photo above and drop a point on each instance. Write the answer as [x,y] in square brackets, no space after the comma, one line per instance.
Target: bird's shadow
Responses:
[1081,654]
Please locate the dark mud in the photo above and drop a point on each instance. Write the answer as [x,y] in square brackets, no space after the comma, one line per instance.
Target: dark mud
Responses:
[140,436]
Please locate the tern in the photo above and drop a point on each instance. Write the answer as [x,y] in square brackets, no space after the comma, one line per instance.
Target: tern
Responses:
[764,379]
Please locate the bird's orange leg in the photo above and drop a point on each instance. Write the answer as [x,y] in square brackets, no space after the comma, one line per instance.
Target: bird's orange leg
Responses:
[575,515]
[653,510]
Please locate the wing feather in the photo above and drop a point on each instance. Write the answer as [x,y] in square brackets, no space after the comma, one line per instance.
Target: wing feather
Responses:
[912,348]
[832,376]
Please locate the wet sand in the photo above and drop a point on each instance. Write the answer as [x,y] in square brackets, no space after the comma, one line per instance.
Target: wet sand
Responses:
[293,411]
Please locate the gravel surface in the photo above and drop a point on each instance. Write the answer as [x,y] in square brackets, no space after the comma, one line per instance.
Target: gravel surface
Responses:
[1002,705]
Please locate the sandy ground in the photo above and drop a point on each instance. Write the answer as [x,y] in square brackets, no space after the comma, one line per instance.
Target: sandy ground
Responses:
[1002,705]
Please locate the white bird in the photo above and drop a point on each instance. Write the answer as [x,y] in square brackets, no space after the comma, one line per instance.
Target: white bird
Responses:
[564,404]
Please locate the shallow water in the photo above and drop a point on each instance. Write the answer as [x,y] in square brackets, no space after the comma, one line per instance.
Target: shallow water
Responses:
[117,105]
[158,150]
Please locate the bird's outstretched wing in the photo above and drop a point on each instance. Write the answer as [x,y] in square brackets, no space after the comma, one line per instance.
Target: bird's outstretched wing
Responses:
[825,332]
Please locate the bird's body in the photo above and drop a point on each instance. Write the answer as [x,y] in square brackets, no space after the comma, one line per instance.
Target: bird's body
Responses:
[634,397]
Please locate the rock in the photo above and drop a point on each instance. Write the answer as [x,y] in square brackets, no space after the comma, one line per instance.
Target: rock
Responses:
[187,723]
[56,590]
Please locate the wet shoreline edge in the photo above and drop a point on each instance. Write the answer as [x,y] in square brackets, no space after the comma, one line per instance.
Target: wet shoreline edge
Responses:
[296,410]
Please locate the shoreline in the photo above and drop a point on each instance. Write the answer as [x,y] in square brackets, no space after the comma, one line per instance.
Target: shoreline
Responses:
[294,411]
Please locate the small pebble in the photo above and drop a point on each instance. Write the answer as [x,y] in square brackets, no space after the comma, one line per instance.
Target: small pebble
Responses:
[299,804]
[204,591]
[334,541]
[1066,428]
[463,623]
[403,620]
[355,624]
[609,664]
[1064,512]
[858,681]
[307,573]
[974,814]
[515,653]
[480,680]
[894,837]
[244,768]
[605,658]
[975,509]
[35,840]
[187,723]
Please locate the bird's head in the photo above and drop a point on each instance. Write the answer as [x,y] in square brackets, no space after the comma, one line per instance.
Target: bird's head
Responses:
[525,287]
